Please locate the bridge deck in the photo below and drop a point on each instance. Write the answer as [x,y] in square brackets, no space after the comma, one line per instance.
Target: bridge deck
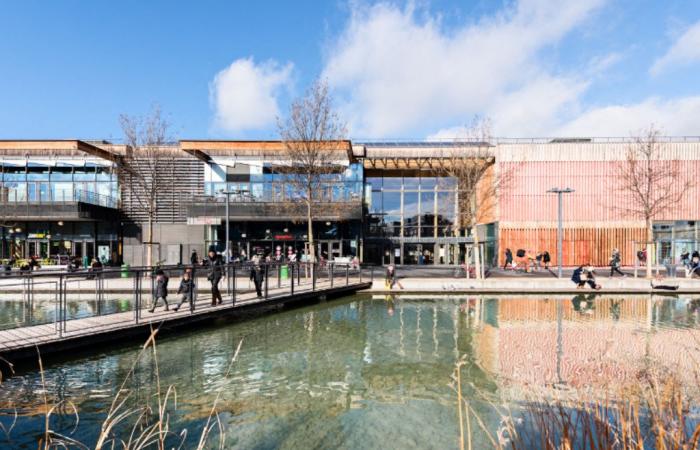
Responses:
[21,342]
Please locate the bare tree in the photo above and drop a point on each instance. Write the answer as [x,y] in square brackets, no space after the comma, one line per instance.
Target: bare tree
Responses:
[652,180]
[146,168]
[471,162]
[314,148]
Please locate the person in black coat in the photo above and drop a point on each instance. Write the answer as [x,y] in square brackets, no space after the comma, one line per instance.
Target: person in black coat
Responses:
[194,258]
[509,259]
[215,265]
[161,290]
[186,291]
[256,275]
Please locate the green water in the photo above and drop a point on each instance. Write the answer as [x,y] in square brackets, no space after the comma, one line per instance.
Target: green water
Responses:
[365,372]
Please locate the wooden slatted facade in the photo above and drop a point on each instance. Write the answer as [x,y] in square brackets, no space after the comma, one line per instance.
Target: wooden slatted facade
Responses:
[185,175]
[596,216]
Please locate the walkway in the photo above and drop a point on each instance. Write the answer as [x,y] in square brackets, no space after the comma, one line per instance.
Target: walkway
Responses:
[22,342]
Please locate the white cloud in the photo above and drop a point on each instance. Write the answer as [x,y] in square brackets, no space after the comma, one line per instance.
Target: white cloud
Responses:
[677,117]
[245,94]
[686,50]
[396,73]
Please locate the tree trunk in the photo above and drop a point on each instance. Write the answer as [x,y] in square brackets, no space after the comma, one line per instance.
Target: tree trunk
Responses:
[149,242]
[477,254]
[310,232]
[649,246]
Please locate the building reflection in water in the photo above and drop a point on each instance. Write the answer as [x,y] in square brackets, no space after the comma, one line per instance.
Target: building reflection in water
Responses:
[385,363]
[586,340]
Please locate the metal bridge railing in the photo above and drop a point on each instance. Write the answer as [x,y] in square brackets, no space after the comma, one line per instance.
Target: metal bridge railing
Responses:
[114,297]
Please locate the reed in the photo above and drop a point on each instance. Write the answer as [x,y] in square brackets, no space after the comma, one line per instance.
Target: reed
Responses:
[129,425]
[655,410]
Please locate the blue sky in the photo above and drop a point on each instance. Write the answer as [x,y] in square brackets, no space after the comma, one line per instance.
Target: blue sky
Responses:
[396,69]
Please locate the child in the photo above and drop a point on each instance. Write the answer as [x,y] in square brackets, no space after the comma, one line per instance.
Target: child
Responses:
[186,289]
[390,278]
[161,290]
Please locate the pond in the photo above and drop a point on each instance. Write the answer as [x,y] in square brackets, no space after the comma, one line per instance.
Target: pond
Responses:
[364,372]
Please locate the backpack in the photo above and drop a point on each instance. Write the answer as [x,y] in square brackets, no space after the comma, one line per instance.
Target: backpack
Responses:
[546,257]
[520,253]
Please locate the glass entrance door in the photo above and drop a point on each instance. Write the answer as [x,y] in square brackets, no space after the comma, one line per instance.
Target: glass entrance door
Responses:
[330,249]
[38,248]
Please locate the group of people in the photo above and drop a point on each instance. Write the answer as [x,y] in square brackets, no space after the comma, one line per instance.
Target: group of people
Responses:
[214,265]
[529,260]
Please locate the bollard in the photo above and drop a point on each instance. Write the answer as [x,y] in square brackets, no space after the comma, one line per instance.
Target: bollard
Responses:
[233,291]
[291,280]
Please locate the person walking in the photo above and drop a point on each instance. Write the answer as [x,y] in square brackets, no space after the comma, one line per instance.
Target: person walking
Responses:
[215,264]
[186,291]
[615,262]
[161,291]
[509,259]
[256,275]
[194,258]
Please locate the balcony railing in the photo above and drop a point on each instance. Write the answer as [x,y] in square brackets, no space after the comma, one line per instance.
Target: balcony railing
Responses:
[63,197]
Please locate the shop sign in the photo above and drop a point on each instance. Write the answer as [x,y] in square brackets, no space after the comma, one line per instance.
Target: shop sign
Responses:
[36,235]
[283,237]
[204,220]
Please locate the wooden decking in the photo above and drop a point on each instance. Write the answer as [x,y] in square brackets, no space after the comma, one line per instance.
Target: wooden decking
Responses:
[22,342]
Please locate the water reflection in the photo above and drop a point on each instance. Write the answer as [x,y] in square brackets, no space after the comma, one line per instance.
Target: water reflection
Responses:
[365,372]
[17,312]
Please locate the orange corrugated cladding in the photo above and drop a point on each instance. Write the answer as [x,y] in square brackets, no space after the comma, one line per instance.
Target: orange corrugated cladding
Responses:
[595,219]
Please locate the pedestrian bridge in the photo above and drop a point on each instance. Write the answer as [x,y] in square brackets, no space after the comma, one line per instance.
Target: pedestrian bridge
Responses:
[51,312]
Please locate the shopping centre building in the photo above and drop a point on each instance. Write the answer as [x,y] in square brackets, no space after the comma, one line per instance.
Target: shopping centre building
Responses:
[384,202]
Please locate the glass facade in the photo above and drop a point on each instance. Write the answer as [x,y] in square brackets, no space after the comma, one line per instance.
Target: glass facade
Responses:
[675,238]
[407,213]
[57,242]
[274,238]
[62,182]
[410,206]
[264,184]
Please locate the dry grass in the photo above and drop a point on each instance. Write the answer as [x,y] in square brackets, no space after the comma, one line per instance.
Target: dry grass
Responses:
[130,426]
[652,411]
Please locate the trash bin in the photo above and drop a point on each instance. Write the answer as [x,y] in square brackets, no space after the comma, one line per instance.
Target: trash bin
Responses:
[125,271]
[284,272]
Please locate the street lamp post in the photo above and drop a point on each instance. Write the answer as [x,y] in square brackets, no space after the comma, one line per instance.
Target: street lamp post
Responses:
[560,230]
[228,194]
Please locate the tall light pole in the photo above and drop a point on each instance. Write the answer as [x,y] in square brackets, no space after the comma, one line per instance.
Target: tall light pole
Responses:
[560,230]
[228,194]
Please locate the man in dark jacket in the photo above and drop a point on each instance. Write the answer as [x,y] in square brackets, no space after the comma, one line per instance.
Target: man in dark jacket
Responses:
[215,265]
[194,258]
[186,290]
[161,290]
[256,275]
